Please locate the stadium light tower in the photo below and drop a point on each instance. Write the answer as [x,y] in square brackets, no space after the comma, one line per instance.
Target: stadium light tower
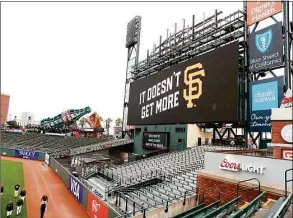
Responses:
[132,45]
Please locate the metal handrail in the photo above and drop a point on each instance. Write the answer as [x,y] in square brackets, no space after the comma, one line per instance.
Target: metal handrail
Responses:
[283,209]
[286,181]
[167,204]
[248,188]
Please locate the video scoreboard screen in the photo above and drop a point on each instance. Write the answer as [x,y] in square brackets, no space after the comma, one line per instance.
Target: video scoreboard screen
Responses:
[155,140]
[203,89]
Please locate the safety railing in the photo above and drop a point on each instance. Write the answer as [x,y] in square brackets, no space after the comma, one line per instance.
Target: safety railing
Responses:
[248,189]
[145,209]
[287,180]
[284,208]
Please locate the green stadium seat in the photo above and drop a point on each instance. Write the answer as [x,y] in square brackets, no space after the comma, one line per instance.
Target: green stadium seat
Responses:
[203,211]
[189,211]
[224,210]
[251,208]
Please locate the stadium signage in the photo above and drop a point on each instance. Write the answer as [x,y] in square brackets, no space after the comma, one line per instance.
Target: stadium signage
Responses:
[236,166]
[266,48]
[286,133]
[264,95]
[287,99]
[262,9]
[287,154]
[76,188]
[155,140]
[33,155]
[202,89]
[95,207]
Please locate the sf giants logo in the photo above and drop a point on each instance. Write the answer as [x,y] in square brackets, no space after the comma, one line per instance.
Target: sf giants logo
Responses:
[194,84]
[75,187]
[287,155]
[95,208]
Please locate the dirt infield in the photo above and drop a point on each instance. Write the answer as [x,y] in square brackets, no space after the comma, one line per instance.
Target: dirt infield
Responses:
[39,180]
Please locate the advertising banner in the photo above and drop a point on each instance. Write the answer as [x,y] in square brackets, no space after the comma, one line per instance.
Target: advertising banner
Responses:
[265,48]
[264,95]
[231,163]
[47,158]
[155,140]
[76,188]
[96,208]
[262,9]
[287,100]
[203,89]
[33,155]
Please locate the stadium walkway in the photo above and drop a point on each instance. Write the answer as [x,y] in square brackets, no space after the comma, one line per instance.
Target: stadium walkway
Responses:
[39,180]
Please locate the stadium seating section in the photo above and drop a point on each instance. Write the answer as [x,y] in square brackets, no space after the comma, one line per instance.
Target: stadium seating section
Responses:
[151,182]
[57,146]
[148,183]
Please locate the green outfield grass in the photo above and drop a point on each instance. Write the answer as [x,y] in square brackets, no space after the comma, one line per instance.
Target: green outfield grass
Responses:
[11,173]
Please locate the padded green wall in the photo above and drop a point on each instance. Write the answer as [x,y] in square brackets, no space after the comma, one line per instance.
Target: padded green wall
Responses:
[8,152]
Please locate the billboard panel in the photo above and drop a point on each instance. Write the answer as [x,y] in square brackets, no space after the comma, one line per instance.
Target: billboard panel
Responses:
[266,48]
[155,140]
[95,207]
[264,95]
[75,188]
[203,89]
[262,9]
[33,155]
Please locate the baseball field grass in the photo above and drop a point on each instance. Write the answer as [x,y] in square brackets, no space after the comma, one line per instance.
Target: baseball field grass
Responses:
[11,173]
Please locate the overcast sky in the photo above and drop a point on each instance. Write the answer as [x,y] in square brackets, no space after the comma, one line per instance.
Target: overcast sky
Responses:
[58,56]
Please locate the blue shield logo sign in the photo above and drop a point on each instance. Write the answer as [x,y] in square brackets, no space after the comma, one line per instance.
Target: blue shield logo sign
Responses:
[264,40]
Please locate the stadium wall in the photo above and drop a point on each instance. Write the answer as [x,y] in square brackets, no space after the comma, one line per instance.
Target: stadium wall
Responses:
[174,137]
[8,152]
[81,192]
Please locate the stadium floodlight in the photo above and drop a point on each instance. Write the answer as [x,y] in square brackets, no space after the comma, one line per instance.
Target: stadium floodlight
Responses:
[133,31]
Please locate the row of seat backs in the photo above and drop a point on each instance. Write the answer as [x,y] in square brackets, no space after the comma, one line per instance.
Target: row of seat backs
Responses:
[251,208]
[225,209]
[199,211]
[212,210]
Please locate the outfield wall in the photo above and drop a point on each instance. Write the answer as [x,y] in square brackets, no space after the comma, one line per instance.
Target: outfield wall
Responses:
[91,203]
